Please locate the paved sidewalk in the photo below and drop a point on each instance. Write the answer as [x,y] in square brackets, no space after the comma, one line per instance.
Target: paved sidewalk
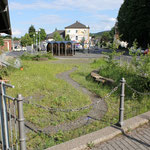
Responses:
[138,139]
[108,133]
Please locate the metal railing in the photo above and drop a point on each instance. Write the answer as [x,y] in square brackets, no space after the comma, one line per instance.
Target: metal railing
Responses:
[11,120]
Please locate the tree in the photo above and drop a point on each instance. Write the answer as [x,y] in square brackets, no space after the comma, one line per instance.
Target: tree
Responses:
[134,21]
[105,38]
[67,38]
[16,39]
[42,34]
[31,31]
[112,34]
[1,41]
[57,37]
[82,42]
[26,40]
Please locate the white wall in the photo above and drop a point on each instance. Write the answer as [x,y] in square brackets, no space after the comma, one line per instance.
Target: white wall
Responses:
[80,33]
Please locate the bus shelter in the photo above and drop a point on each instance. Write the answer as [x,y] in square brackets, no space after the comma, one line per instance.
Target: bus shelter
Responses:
[61,48]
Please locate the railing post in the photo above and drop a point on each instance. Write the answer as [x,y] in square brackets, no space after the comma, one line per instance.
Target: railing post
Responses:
[4,119]
[22,137]
[121,108]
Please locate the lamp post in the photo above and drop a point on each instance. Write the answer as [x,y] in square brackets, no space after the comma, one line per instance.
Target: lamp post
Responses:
[39,39]
[36,38]
[34,41]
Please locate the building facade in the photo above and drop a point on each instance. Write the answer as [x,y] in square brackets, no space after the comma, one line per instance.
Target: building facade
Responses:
[77,32]
[7,45]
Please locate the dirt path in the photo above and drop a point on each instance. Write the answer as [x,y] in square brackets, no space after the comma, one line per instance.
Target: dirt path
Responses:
[96,112]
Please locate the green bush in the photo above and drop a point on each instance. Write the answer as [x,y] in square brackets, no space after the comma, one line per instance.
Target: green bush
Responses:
[5,71]
[27,56]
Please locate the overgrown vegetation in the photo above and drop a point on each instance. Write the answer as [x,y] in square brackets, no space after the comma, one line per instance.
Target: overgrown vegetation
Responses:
[5,72]
[27,56]
[39,78]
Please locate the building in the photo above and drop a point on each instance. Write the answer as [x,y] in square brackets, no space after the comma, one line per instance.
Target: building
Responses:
[76,32]
[50,36]
[7,45]
[16,45]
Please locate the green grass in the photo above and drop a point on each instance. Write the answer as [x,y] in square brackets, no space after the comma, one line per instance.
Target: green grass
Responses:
[39,78]
[134,103]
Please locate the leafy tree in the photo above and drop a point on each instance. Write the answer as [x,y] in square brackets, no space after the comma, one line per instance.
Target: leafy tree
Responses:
[16,39]
[112,34]
[67,38]
[57,37]
[82,42]
[26,40]
[1,41]
[134,21]
[106,37]
[42,34]
[31,31]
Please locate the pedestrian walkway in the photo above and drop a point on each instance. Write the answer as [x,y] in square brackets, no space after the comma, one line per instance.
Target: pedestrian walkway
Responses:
[138,139]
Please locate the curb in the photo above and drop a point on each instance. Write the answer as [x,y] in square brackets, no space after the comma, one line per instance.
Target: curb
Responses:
[104,134]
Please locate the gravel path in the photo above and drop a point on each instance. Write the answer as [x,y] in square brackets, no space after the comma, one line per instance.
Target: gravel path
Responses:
[96,112]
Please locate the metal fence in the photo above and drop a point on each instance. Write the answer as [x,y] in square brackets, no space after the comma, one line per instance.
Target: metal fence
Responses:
[11,120]
[119,111]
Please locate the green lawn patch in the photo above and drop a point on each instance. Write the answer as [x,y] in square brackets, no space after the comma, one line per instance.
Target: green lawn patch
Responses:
[39,79]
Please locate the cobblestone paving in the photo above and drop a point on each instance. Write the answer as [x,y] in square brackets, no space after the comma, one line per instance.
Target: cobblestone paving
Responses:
[138,139]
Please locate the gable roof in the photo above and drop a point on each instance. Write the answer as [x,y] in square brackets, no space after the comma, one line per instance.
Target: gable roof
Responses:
[77,25]
[5,26]
[61,32]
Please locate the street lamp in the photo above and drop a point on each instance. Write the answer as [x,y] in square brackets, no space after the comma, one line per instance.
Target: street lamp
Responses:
[39,38]
[36,38]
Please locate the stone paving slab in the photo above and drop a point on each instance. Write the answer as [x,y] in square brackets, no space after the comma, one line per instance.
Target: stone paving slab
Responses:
[137,139]
[104,134]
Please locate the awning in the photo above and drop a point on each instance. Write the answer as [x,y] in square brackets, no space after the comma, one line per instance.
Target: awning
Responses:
[5,26]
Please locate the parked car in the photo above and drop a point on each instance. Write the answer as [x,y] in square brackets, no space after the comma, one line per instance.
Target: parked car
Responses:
[147,51]
[138,51]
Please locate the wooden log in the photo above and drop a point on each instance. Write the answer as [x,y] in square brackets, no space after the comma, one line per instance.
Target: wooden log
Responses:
[99,78]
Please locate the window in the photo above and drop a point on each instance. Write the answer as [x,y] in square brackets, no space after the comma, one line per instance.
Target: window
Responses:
[68,31]
[76,31]
[76,37]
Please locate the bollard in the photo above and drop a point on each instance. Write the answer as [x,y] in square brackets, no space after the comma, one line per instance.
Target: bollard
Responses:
[22,138]
[121,109]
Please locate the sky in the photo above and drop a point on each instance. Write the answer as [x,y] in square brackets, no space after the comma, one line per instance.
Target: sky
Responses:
[100,15]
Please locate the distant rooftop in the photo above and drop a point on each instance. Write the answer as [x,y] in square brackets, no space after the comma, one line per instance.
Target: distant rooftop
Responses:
[77,25]
[61,32]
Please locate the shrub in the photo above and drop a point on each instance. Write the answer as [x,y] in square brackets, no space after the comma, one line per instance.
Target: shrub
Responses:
[27,56]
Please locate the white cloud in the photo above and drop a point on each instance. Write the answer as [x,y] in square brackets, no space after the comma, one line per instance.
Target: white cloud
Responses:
[96,20]
[46,19]
[83,5]
[16,33]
